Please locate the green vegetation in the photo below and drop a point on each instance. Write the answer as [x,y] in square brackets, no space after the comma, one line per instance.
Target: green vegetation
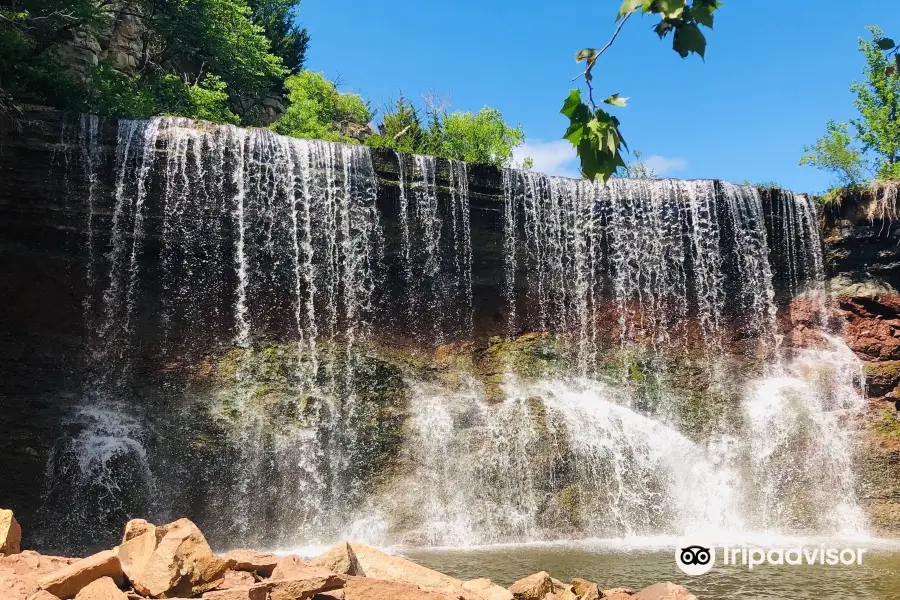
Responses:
[638,169]
[873,146]
[316,109]
[482,137]
[889,424]
[227,61]
[201,58]
[593,131]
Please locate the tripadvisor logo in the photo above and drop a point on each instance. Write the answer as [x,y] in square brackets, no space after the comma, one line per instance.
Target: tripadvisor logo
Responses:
[698,558]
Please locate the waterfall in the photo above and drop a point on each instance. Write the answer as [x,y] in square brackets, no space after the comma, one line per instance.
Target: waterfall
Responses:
[268,348]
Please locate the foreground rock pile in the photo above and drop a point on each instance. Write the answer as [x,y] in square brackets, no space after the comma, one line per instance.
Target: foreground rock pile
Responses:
[175,561]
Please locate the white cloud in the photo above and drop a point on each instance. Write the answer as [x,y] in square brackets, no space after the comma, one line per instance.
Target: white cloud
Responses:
[665,166]
[554,158]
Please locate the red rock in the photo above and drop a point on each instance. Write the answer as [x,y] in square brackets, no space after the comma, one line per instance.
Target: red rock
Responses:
[19,573]
[42,595]
[488,590]
[339,559]
[364,588]
[259,591]
[248,560]
[288,565]
[533,587]
[379,565]
[664,591]
[181,565]
[10,533]
[101,589]
[234,579]
[306,586]
[69,580]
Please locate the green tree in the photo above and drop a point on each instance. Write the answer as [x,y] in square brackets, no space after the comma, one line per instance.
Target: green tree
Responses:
[874,144]
[834,152]
[201,43]
[482,137]
[593,131]
[316,109]
[278,19]
[878,103]
[401,129]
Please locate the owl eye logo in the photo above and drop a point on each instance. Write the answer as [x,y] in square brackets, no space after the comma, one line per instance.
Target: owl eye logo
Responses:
[695,555]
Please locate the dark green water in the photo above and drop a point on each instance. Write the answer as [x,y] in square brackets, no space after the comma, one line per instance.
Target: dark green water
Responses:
[877,578]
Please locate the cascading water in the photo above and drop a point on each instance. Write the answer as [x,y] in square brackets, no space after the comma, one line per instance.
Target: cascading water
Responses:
[252,287]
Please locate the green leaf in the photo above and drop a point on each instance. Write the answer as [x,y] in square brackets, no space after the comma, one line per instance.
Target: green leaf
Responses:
[572,102]
[670,9]
[616,100]
[628,6]
[886,44]
[574,133]
[689,38]
[663,28]
[703,14]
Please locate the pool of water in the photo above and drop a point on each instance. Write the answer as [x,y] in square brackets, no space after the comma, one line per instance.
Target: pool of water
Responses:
[614,564]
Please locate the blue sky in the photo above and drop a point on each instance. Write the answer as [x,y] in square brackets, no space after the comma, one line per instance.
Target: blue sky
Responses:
[775,72]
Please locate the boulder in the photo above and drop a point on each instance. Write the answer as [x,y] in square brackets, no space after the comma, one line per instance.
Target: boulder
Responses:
[307,585]
[664,591]
[618,590]
[563,591]
[551,596]
[379,565]
[138,545]
[236,579]
[287,566]
[581,586]
[259,591]
[182,563]
[364,588]
[261,563]
[10,533]
[136,527]
[69,580]
[339,559]
[488,590]
[19,574]
[533,587]
[41,595]
[101,589]
[592,592]
[332,595]
[618,596]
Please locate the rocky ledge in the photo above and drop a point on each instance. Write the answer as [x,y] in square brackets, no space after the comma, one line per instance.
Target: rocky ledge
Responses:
[175,561]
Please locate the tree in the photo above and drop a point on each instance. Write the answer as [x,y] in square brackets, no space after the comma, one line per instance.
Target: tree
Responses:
[878,103]
[482,137]
[834,152]
[278,21]
[316,109]
[593,131]
[210,46]
[874,144]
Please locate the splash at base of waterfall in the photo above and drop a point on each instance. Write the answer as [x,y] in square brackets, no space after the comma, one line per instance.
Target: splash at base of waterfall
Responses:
[570,459]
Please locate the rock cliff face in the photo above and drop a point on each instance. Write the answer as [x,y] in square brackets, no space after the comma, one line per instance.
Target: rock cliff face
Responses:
[50,237]
[862,253]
